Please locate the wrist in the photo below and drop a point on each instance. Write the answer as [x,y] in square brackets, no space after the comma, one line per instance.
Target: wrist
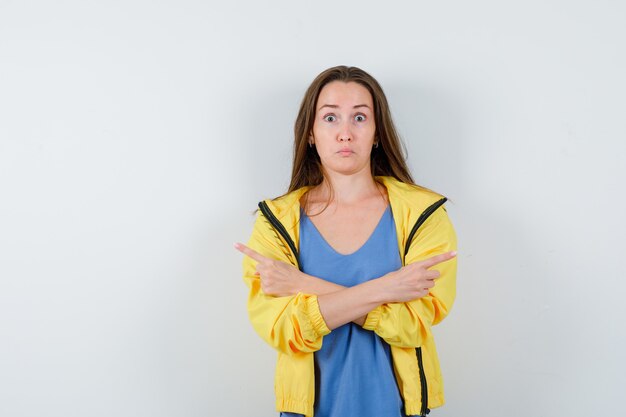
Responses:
[301,283]
[310,284]
[377,290]
[380,289]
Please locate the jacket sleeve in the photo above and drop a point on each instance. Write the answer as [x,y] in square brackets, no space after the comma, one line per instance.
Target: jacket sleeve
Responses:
[290,324]
[409,324]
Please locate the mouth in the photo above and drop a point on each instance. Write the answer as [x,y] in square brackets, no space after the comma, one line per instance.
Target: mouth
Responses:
[345,152]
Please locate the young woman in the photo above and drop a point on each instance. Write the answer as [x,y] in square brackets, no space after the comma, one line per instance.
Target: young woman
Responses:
[349,270]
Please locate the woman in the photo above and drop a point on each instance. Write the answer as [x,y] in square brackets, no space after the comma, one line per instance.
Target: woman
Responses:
[351,267]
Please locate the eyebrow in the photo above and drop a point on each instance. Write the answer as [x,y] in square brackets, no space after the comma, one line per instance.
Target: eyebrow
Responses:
[334,106]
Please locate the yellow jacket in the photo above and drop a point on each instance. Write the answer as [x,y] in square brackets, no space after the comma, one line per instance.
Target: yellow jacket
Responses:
[294,326]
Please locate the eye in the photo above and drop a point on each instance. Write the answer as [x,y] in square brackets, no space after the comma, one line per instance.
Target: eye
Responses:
[359,117]
[330,118]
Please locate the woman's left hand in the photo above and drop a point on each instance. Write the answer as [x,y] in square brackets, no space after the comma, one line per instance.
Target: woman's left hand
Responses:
[277,278]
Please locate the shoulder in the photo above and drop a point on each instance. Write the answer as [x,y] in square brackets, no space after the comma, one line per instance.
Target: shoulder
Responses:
[283,211]
[410,196]
[285,203]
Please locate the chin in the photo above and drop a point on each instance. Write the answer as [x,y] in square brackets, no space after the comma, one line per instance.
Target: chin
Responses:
[347,170]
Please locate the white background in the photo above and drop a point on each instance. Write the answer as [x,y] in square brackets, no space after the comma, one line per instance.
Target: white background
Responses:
[137,138]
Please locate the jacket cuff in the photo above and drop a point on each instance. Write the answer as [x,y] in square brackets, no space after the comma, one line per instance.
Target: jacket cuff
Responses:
[372,319]
[317,321]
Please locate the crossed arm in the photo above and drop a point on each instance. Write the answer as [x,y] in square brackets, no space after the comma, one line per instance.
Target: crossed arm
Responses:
[292,310]
[340,305]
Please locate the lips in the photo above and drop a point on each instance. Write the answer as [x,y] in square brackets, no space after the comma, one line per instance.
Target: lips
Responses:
[345,151]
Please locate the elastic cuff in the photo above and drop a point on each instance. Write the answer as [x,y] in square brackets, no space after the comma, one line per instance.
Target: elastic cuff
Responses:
[372,319]
[292,406]
[317,321]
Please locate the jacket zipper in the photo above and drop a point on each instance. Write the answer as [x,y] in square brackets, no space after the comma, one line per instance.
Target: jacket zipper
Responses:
[422,218]
[418,351]
[278,226]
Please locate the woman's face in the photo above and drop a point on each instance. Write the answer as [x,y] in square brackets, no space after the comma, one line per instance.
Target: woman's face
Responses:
[344,127]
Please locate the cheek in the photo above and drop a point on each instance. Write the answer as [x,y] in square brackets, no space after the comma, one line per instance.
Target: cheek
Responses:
[370,129]
[317,130]
[322,129]
[322,149]
[323,135]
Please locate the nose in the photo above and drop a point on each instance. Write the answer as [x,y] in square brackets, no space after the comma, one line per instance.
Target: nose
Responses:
[344,134]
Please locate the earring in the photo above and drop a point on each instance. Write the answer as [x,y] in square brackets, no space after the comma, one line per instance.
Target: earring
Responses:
[376,145]
[310,144]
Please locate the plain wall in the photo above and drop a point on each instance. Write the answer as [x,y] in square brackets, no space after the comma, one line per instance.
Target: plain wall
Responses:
[137,137]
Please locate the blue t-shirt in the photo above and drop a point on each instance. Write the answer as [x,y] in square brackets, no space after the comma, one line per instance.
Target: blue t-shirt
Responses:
[353,369]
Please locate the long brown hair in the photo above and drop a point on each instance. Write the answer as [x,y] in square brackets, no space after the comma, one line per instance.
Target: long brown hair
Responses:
[389,158]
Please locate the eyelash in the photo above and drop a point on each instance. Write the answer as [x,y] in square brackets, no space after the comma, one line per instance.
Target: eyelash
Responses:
[332,115]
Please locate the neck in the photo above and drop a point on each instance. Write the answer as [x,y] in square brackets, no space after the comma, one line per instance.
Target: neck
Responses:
[349,189]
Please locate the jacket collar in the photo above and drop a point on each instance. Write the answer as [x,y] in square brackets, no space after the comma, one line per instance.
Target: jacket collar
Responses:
[408,203]
[400,195]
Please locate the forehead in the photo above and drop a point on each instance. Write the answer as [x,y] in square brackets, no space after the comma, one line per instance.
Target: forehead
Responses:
[344,94]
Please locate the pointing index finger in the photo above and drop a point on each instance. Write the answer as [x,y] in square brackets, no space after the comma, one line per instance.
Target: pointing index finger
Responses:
[437,259]
[249,252]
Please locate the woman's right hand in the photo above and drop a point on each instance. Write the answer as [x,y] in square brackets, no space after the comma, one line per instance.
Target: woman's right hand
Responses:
[414,280]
